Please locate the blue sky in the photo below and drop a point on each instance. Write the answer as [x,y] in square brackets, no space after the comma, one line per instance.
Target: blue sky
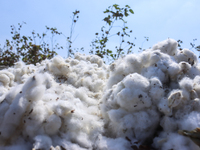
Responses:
[156,19]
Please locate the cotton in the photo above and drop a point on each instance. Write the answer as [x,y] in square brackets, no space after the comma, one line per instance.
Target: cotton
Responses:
[81,103]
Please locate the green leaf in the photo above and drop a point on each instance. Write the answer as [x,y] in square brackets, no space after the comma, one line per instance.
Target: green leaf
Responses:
[127,6]
[131,11]
[125,12]
[116,6]
[106,11]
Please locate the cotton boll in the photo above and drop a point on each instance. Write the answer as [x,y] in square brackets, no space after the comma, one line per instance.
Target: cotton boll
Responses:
[154,57]
[95,59]
[174,98]
[156,91]
[132,64]
[168,46]
[6,78]
[186,83]
[22,72]
[136,80]
[42,142]
[52,125]
[120,66]
[129,98]
[58,60]
[187,56]
[185,69]
[173,70]
[149,58]
[154,72]
[133,100]
[79,57]
[163,107]
[73,62]
[65,68]
[118,73]
[59,67]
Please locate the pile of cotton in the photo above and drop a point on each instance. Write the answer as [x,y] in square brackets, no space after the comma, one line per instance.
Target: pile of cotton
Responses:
[149,97]
[55,103]
[81,103]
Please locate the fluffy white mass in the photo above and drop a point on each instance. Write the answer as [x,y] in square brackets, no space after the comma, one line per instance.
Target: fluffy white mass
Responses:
[81,103]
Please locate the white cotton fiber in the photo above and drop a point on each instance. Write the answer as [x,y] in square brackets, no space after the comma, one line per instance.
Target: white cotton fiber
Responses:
[58,66]
[42,142]
[6,78]
[156,91]
[190,121]
[52,124]
[196,84]
[163,107]
[178,142]
[174,98]
[16,147]
[168,124]
[187,56]
[154,72]
[133,96]
[168,46]
[186,83]
[81,103]
[136,80]
[105,143]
